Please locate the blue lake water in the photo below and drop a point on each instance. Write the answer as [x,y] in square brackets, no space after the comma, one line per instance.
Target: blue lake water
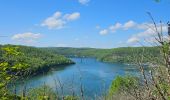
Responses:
[95,77]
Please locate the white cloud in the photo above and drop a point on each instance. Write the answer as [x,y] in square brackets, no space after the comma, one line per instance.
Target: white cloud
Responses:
[58,21]
[145,30]
[152,40]
[53,23]
[148,33]
[57,14]
[27,37]
[73,16]
[143,26]
[129,24]
[104,32]
[115,27]
[133,40]
[84,2]
[125,26]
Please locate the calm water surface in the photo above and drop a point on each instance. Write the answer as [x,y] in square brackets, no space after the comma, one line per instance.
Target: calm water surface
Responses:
[95,76]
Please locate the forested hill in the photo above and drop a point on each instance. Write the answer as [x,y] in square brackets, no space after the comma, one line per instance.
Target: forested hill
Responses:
[121,55]
[37,59]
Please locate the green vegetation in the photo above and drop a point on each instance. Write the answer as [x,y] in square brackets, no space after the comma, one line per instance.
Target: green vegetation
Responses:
[123,84]
[16,62]
[118,55]
[22,60]
[46,93]
[41,93]
[9,71]
[36,60]
[154,85]
[132,54]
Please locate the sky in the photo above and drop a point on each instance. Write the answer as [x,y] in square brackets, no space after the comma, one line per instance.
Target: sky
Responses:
[80,23]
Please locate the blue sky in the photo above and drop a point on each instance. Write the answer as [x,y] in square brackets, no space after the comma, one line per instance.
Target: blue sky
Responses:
[79,23]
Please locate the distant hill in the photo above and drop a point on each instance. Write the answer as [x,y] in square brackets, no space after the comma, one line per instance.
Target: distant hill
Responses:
[120,55]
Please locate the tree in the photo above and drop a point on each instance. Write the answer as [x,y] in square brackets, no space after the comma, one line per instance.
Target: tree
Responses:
[8,70]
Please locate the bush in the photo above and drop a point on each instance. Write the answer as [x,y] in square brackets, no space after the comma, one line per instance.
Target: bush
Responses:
[42,93]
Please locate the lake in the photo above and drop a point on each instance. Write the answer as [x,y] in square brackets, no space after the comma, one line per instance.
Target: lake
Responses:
[95,77]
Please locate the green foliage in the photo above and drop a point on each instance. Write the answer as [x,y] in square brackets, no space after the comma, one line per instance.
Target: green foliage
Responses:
[17,61]
[21,61]
[71,98]
[120,55]
[46,93]
[123,84]
[35,59]
[8,70]
[132,54]
[42,93]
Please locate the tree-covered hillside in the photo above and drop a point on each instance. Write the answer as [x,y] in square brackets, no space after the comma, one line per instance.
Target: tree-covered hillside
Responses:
[121,55]
[132,54]
[37,60]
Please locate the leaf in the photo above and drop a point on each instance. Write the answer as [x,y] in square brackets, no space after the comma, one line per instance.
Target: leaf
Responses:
[8,78]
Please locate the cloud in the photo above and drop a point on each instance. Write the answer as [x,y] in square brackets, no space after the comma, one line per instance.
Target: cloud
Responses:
[148,34]
[104,32]
[115,27]
[53,23]
[133,40]
[84,2]
[129,24]
[73,16]
[27,37]
[146,30]
[144,26]
[123,26]
[58,21]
